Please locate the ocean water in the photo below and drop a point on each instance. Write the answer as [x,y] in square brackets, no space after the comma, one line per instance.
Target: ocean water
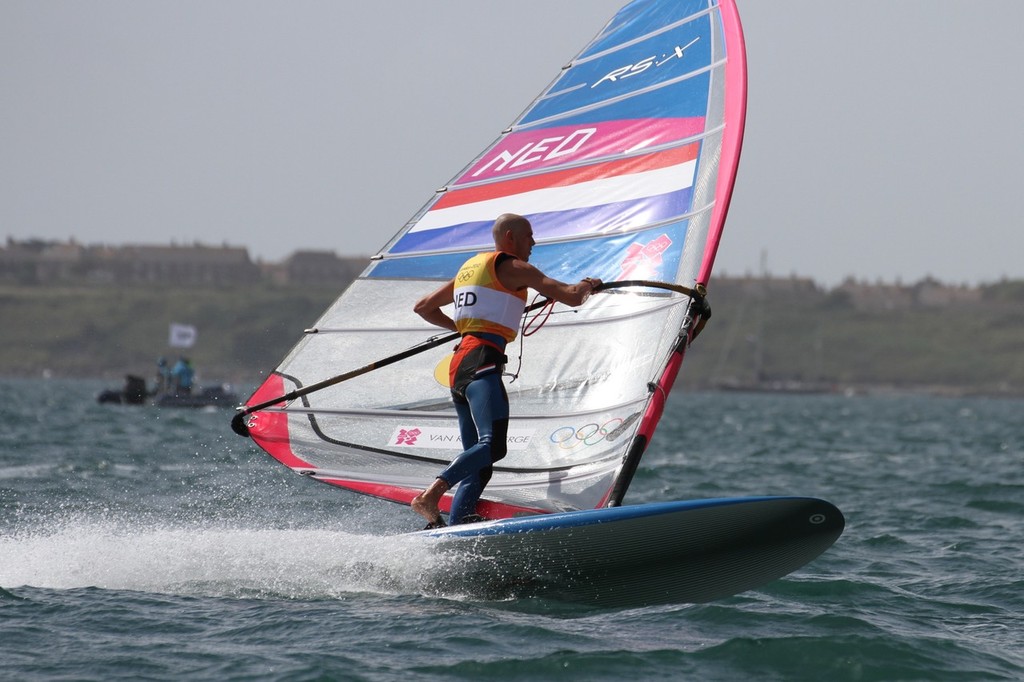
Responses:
[138,543]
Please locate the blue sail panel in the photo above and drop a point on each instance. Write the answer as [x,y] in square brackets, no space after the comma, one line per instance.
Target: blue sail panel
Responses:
[640,63]
[650,254]
[646,17]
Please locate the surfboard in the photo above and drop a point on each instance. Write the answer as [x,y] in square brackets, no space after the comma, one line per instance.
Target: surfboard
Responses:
[690,551]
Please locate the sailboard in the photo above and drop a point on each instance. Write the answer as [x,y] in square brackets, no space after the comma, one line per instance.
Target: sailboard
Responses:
[690,551]
[624,166]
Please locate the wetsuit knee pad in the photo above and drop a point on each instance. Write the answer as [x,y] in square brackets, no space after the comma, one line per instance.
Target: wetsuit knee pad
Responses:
[499,441]
[485,476]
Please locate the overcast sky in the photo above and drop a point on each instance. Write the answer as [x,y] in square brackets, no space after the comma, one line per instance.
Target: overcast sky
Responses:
[884,139]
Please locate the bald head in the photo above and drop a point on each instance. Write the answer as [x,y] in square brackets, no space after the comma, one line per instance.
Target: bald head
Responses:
[508,222]
[513,234]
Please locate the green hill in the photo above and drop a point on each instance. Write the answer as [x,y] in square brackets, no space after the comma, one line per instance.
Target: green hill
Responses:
[106,332]
[762,335]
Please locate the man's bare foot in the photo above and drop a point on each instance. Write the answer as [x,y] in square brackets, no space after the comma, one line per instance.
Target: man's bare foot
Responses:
[425,504]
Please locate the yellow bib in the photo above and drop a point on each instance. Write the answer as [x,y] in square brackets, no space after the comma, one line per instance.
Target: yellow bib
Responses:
[482,304]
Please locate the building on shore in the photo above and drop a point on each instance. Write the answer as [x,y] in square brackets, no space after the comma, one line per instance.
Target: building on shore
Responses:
[39,262]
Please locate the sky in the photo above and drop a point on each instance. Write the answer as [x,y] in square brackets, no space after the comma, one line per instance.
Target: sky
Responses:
[884,140]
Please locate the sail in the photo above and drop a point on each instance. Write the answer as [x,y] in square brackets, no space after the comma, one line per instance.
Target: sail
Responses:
[624,165]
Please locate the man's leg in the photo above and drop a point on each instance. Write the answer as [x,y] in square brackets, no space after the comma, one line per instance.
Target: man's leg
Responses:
[488,403]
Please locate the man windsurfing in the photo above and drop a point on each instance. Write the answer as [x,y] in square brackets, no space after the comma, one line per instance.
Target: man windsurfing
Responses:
[489,294]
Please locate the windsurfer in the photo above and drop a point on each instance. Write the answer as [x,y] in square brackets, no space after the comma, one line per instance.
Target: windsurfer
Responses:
[489,293]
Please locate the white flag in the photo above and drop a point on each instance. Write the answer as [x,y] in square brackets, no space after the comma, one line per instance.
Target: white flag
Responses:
[182,336]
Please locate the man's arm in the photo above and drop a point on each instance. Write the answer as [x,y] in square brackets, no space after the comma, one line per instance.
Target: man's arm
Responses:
[429,307]
[517,274]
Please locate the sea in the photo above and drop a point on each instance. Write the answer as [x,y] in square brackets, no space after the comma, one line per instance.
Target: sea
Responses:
[139,543]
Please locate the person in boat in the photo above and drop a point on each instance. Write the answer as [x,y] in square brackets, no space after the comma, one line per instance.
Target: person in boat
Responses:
[163,376]
[134,392]
[489,294]
[183,373]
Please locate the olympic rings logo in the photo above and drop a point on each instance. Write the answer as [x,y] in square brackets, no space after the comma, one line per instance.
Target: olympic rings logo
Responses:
[570,437]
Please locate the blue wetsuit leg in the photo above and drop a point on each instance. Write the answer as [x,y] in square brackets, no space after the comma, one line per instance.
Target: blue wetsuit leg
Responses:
[487,407]
[467,429]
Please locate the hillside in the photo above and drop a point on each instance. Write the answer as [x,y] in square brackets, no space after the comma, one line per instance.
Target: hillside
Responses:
[105,332]
[763,334]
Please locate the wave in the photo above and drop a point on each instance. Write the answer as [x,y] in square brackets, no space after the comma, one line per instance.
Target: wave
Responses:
[223,561]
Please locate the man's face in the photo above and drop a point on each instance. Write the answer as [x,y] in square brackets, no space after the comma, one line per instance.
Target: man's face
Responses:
[522,242]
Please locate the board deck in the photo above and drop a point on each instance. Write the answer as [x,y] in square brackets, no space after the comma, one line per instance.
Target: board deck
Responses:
[673,552]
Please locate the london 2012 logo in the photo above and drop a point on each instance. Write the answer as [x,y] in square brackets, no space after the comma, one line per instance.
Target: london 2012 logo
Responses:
[635,69]
[407,436]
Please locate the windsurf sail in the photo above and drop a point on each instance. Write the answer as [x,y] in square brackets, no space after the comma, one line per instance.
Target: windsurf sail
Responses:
[624,165]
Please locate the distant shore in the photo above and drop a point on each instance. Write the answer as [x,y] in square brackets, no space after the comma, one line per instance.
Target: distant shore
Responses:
[783,335]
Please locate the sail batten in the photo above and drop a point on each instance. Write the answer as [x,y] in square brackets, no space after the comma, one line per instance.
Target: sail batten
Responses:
[624,165]
[597,106]
[640,39]
[428,414]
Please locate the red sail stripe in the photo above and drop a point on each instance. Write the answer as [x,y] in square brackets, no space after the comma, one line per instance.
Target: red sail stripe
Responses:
[568,177]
